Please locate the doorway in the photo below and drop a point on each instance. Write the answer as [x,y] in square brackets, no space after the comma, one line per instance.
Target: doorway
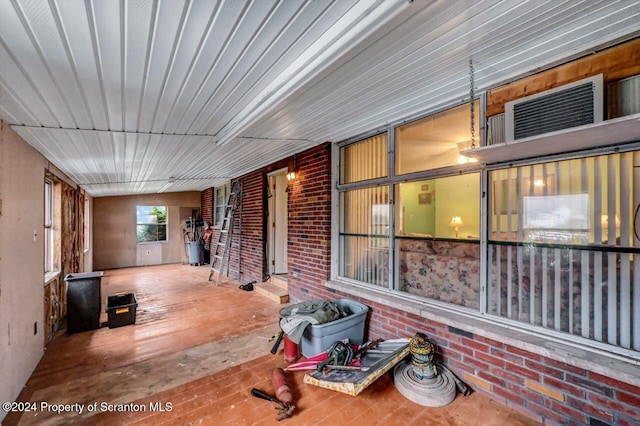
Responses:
[277,223]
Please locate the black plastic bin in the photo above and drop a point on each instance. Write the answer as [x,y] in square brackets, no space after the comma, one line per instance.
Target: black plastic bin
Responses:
[121,309]
[83,301]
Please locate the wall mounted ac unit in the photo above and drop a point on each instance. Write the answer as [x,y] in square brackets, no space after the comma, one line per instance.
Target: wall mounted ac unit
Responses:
[623,97]
[571,105]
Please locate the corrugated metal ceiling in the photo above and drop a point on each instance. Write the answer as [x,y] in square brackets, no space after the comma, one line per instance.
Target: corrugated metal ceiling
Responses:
[144,96]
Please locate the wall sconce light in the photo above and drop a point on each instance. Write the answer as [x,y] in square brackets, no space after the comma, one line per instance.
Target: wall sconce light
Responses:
[291,173]
[456,222]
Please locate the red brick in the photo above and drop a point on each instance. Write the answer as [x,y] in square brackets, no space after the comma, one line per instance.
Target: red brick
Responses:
[478,346]
[501,372]
[547,413]
[461,348]
[529,395]
[589,384]
[598,412]
[514,359]
[566,410]
[522,352]
[516,369]
[633,400]
[559,384]
[508,395]
[491,378]
[476,363]
[495,361]
[491,342]
[558,374]
[631,410]
[564,366]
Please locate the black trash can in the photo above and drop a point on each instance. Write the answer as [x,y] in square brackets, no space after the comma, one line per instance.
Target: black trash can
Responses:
[83,301]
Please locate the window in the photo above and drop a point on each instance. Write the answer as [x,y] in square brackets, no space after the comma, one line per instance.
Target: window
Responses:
[49,263]
[222,195]
[151,223]
[434,141]
[364,160]
[437,238]
[417,235]
[563,247]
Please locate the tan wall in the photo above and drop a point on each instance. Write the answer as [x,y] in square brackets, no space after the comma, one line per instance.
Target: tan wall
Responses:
[114,230]
[21,261]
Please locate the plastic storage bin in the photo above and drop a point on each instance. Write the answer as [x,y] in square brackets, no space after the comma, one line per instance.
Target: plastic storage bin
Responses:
[318,338]
[83,301]
[121,309]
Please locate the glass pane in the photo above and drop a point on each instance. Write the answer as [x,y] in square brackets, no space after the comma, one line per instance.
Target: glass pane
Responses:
[147,233]
[447,207]
[364,160]
[365,247]
[565,202]
[440,270]
[365,259]
[151,214]
[435,141]
[578,271]
[366,211]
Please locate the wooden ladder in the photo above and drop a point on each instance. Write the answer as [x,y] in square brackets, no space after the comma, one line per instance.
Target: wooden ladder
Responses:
[231,224]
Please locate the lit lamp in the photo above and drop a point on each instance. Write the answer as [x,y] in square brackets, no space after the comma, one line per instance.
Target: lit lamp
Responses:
[456,222]
[605,221]
[291,172]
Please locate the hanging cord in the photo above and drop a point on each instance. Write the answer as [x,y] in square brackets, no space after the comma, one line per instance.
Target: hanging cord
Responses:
[472,95]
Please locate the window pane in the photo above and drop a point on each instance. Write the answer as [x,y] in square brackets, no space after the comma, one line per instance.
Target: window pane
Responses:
[151,223]
[220,203]
[435,141]
[364,160]
[446,270]
[439,207]
[364,234]
[577,271]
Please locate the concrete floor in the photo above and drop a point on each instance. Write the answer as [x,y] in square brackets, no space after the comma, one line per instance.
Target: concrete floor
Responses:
[193,356]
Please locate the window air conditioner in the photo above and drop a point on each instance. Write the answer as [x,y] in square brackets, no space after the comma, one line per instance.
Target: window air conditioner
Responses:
[571,105]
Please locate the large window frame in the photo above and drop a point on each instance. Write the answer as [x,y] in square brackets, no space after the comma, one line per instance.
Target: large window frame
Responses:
[385,247]
[220,198]
[152,224]
[435,307]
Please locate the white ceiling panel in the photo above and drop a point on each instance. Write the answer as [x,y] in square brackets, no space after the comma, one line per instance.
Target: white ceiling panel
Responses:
[140,96]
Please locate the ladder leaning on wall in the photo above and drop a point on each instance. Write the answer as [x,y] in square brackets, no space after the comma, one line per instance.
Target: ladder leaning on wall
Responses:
[231,224]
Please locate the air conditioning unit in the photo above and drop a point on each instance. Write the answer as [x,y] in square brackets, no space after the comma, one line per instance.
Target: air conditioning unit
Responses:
[623,97]
[571,105]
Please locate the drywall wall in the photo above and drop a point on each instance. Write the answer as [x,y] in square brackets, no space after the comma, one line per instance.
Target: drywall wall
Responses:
[21,261]
[114,230]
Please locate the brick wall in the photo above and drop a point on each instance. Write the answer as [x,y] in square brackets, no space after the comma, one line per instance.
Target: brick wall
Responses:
[309,250]
[542,388]
[206,203]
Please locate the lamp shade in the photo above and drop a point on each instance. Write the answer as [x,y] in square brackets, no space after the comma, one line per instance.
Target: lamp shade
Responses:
[456,221]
